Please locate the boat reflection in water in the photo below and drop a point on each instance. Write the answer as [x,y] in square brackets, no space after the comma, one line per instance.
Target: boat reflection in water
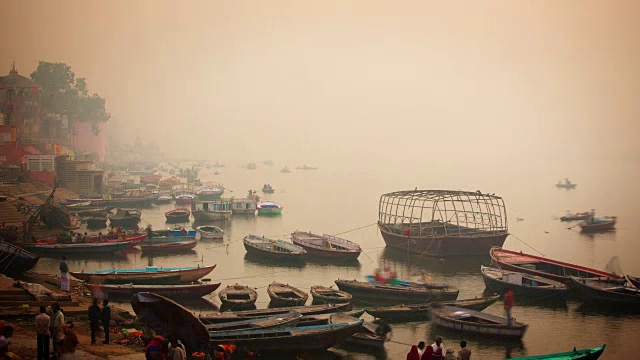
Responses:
[459,265]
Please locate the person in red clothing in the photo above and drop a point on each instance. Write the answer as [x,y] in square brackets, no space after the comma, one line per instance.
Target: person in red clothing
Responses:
[508,305]
[413,354]
[428,353]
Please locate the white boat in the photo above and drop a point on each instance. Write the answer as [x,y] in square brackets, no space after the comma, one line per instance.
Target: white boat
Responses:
[210,192]
[210,232]
[184,199]
[269,208]
[211,210]
[244,206]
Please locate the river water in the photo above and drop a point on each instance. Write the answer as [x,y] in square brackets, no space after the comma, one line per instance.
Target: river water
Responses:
[340,198]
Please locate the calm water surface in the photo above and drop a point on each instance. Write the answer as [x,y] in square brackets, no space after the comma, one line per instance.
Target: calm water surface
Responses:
[339,199]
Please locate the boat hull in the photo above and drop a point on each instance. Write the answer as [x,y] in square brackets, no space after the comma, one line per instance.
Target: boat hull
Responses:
[256,251]
[321,296]
[503,330]
[169,291]
[445,246]
[14,260]
[269,211]
[599,227]
[84,248]
[204,216]
[584,354]
[500,287]
[325,252]
[145,277]
[592,294]
[168,246]
[393,294]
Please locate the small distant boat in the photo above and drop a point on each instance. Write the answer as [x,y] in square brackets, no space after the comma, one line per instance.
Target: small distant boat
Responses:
[598,224]
[125,217]
[210,232]
[522,284]
[584,354]
[286,295]
[326,246]
[178,215]
[267,163]
[567,184]
[168,247]
[244,206]
[273,248]
[268,189]
[269,208]
[149,179]
[171,291]
[465,320]
[146,276]
[603,291]
[163,199]
[329,295]
[238,297]
[418,312]
[543,267]
[212,210]
[285,170]
[185,199]
[251,166]
[217,165]
[97,222]
[15,260]
[305,167]
[386,293]
[576,216]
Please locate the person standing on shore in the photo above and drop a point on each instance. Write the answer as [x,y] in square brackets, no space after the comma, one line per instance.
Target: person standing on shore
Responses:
[94,319]
[57,328]
[69,343]
[464,353]
[508,305]
[105,316]
[43,323]
[64,274]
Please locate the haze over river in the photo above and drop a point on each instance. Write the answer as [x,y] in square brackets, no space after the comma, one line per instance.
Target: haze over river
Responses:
[339,198]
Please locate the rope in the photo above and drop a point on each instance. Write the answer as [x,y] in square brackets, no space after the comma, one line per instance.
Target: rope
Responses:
[528,245]
[362,227]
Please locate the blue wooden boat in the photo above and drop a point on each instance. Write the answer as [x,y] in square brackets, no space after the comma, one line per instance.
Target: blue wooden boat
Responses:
[148,275]
[179,230]
[584,354]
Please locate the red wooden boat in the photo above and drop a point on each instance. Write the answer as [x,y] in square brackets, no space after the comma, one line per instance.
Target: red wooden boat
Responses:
[168,246]
[326,246]
[547,268]
[599,224]
[178,215]
[170,291]
[134,240]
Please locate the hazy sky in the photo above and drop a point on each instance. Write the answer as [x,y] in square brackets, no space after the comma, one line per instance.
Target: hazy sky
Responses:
[300,80]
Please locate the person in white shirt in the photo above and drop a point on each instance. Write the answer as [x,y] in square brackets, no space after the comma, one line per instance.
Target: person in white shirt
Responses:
[438,349]
[421,346]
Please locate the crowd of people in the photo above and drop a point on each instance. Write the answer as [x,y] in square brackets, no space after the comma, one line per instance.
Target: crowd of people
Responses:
[437,351]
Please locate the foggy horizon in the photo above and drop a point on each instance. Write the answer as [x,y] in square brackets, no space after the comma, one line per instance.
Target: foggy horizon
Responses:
[364,81]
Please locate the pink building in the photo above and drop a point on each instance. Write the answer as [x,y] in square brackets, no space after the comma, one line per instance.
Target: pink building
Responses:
[85,140]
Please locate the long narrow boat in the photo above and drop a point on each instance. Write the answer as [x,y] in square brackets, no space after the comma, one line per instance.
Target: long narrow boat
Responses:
[178,215]
[273,248]
[595,224]
[286,295]
[326,246]
[268,322]
[78,248]
[135,239]
[522,284]
[125,217]
[584,354]
[124,202]
[543,267]
[247,314]
[329,295]
[147,276]
[168,247]
[210,232]
[576,216]
[368,336]
[421,312]
[602,291]
[14,260]
[238,297]
[385,293]
[171,291]
[465,320]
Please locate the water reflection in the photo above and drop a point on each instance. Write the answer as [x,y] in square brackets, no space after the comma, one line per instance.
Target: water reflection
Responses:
[456,265]
[271,263]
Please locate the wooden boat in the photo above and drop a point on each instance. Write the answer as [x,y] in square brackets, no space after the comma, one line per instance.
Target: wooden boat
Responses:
[323,319]
[132,202]
[168,247]
[212,192]
[125,217]
[170,291]
[135,239]
[244,206]
[633,281]
[329,295]
[185,199]
[272,248]
[78,248]
[286,295]
[303,310]
[567,184]
[584,354]
[14,260]
[397,294]
[163,199]
[465,320]
[146,276]
[178,215]
[92,211]
[576,216]
[268,189]
[326,246]
[368,335]
[181,231]
[238,296]
[210,232]
[522,284]
[428,285]
[603,291]
[97,222]
[543,267]
[212,210]
[269,322]
[422,312]
[269,208]
[596,224]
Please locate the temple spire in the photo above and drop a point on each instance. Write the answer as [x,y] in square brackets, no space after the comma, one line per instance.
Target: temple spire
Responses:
[13,70]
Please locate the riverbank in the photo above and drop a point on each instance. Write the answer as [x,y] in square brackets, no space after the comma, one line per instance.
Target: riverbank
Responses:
[20,300]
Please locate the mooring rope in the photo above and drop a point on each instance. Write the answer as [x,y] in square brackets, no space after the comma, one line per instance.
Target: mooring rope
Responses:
[528,245]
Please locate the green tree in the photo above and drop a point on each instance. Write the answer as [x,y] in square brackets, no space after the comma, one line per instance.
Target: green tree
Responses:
[65,95]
